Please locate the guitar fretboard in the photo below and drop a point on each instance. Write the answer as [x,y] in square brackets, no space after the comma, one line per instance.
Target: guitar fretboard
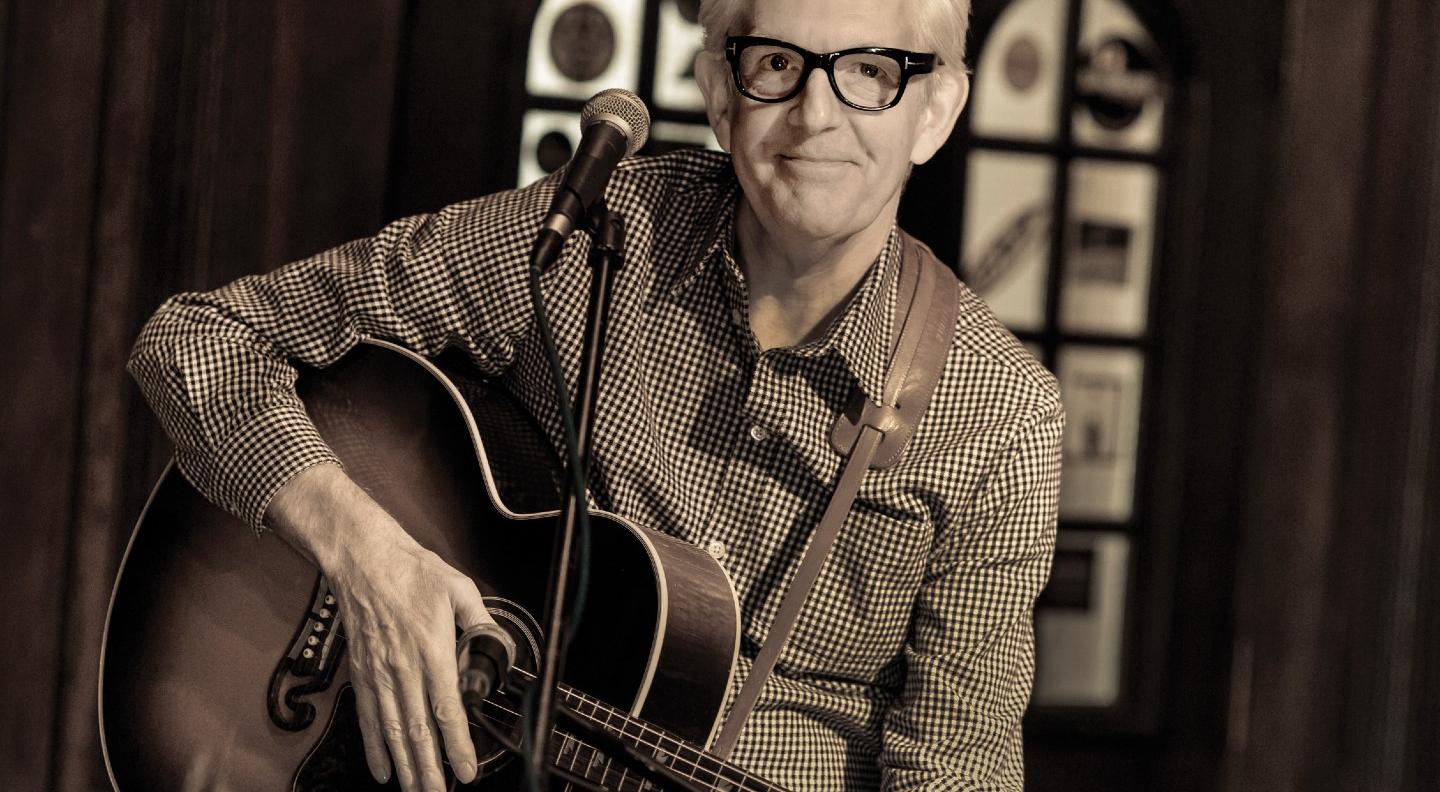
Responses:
[575,756]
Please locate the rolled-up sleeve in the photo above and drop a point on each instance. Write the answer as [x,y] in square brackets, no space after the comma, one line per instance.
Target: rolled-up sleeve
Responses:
[970,656]
[219,369]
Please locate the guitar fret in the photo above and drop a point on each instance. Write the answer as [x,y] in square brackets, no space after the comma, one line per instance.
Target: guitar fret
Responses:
[561,749]
[596,758]
[682,757]
[605,766]
[623,770]
[574,753]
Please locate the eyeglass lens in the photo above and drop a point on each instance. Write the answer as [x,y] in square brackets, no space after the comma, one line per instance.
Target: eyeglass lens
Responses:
[769,71]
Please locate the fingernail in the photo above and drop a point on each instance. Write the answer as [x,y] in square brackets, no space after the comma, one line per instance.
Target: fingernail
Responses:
[465,771]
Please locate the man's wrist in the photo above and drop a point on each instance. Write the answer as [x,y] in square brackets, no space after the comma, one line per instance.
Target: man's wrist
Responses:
[323,515]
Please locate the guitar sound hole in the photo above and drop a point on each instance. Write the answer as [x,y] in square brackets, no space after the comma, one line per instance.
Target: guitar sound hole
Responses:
[337,762]
[504,709]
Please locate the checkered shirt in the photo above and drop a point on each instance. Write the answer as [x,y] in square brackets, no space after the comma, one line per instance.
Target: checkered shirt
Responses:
[911,664]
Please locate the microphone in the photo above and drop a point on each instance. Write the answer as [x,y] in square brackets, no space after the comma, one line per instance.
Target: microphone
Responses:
[614,124]
[484,655]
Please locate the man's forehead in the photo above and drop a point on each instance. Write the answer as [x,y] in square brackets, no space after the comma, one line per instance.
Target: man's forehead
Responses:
[825,25]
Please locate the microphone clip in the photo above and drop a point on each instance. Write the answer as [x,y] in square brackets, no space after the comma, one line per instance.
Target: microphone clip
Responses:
[484,656]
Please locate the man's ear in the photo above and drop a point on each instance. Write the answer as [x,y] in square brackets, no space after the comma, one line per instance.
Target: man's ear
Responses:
[712,74]
[947,92]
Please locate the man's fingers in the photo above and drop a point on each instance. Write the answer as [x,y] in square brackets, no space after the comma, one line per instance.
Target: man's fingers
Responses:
[443,688]
[393,727]
[370,730]
[419,729]
[469,606]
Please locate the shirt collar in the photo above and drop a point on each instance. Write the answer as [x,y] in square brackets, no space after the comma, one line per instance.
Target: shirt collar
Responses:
[862,333]
[860,336]
[714,226]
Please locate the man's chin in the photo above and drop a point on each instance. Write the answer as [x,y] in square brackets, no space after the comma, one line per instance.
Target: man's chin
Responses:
[820,221]
[807,210]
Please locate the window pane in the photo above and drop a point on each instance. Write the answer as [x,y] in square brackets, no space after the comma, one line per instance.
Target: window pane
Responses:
[1101,390]
[580,48]
[1007,234]
[1080,621]
[1017,82]
[1109,245]
[1120,90]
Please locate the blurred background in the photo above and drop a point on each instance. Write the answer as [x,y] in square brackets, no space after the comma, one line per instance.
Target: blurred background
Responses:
[1218,221]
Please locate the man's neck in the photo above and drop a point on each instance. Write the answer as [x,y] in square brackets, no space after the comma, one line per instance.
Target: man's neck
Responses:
[799,287]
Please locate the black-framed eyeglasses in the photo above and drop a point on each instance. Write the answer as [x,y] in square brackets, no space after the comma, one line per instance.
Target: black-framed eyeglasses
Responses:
[865,78]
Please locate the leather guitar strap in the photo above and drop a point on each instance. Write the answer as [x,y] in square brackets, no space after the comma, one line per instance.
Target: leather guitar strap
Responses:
[867,435]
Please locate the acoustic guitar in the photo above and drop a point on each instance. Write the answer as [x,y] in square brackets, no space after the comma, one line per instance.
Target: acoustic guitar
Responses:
[223,664]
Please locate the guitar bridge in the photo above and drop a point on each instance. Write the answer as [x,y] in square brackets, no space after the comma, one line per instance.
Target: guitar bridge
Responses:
[310,664]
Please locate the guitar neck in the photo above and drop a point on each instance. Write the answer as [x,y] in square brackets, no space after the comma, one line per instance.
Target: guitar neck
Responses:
[580,758]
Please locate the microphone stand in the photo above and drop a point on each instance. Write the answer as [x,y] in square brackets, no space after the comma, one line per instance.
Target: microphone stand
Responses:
[607,233]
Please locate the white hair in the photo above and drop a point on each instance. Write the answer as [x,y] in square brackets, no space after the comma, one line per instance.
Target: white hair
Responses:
[942,24]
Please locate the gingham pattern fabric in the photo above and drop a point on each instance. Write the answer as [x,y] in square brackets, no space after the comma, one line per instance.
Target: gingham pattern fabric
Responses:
[911,665]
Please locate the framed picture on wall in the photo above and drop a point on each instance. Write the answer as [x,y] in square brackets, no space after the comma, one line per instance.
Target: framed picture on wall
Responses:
[1017,86]
[680,39]
[1109,246]
[580,47]
[1080,622]
[1007,237]
[1120,92]
[547,141]
[1101,389]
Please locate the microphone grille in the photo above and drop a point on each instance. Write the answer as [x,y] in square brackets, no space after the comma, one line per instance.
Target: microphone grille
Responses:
[623,109]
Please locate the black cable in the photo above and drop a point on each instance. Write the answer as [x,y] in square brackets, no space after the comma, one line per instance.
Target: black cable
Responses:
[577,484]
[488,724]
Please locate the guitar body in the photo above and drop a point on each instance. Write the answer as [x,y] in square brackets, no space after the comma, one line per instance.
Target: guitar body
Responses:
[202,682]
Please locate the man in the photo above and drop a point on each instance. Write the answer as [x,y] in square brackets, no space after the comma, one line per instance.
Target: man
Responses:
[759,292]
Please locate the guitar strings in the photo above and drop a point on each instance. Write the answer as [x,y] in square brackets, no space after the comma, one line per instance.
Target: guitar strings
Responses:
[727,777]
[721,770]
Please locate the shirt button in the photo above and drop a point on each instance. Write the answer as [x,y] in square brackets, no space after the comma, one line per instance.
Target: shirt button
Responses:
[716,549]
[759,433]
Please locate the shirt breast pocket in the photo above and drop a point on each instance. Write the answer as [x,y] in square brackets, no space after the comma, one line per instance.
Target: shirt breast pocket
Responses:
[857,617]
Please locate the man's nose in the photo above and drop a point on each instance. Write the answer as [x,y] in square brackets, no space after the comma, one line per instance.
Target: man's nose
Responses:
[817,105]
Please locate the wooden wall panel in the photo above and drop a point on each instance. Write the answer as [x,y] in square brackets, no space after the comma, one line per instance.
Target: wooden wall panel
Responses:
[1296,438]
[53,96]
[1392,448]
[1339,508]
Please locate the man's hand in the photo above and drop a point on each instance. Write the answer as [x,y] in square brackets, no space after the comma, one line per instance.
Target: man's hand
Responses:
[400,604]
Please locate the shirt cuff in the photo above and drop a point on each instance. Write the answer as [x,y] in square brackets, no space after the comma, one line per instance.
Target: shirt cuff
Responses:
[262,456]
